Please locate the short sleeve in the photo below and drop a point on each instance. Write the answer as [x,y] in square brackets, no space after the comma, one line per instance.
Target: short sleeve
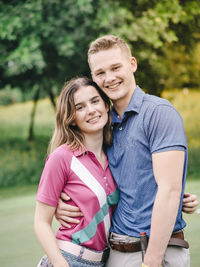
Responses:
[165,130]
[53,179]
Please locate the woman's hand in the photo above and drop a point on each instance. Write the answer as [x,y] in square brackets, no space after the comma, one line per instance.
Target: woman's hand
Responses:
[66,213]
[190,203]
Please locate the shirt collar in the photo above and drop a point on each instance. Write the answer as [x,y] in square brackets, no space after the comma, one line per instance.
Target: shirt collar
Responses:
[134,105]
[80,152]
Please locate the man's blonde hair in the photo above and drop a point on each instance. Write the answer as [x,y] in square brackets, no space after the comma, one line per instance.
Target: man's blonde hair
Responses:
[107,42]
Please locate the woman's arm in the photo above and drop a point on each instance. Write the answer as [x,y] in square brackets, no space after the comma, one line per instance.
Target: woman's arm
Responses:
[43,230]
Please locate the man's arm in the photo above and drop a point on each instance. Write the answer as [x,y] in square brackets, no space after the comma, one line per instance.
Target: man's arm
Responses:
[168,172]
[65,213]
[190,203]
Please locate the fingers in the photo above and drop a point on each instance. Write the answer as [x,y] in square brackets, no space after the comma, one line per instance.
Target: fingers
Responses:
[190,203]
[189,210]
[190,199]
[64,197]
[67,213]
[65,224]
[71,210]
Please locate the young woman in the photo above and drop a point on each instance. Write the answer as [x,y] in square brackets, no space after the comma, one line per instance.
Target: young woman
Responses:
[77,165]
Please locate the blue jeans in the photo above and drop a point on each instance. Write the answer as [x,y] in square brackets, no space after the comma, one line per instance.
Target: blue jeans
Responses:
[72,260]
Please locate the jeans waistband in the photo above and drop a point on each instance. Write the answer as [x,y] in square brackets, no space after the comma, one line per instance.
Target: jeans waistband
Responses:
[83,252]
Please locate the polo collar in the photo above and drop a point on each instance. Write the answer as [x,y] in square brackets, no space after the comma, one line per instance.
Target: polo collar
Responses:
[80,152]
[134,105]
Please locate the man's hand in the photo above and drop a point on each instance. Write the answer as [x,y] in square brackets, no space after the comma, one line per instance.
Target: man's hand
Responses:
[65,213]
[190,203]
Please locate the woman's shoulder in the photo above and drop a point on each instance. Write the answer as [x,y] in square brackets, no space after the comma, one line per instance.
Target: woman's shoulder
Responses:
[61,153]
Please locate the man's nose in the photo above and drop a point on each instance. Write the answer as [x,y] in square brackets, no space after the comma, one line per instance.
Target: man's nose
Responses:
[110,77]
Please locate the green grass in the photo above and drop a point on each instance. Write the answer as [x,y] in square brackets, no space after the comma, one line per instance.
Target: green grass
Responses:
[15,119]
[193,222]
[18,244]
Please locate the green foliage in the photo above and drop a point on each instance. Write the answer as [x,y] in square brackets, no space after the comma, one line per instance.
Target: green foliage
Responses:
[187,103]
[183,66]
[9,96]
[43,43]
[22,162]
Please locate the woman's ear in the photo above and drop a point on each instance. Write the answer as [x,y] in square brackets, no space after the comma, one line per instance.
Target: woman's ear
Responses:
[107,107]
[73,123]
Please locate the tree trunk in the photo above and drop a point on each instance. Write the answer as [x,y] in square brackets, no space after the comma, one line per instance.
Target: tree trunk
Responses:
[51,96]
[31,126]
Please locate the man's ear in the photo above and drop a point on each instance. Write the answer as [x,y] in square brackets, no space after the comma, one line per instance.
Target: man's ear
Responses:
[134,64]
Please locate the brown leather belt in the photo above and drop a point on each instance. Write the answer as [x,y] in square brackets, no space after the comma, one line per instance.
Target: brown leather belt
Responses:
[177,239]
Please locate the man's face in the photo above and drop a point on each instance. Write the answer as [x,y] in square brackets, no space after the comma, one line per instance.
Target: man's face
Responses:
[113,71]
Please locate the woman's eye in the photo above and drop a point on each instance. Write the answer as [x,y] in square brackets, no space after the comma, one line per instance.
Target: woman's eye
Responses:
[79,107]
[95,101]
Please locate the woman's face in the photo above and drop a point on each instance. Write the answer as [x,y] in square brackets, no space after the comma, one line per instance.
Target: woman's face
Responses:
[91,113]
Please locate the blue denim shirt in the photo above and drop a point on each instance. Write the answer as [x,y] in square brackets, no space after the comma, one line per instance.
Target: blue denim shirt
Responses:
[149,124]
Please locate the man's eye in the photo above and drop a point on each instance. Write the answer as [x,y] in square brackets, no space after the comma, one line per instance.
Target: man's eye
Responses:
[116,68]
[100,73]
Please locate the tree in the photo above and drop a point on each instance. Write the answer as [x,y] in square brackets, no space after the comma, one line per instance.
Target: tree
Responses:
[45,42]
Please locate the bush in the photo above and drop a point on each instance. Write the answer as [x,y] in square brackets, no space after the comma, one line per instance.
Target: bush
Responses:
[10,96]
[22,161]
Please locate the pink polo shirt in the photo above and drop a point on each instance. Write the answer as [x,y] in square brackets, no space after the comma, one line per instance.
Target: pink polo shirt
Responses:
[90,187]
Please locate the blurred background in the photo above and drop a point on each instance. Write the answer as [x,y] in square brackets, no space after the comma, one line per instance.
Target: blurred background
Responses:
[43,43]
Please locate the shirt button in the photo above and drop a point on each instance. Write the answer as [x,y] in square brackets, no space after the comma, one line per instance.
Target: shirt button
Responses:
[106,184]
[120,128]
[119,145]
[105,178]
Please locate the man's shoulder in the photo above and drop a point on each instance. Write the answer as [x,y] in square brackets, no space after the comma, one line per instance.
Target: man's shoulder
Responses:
[159,108]
[154,101]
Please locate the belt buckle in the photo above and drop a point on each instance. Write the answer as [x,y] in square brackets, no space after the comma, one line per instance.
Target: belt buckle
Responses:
[105,255]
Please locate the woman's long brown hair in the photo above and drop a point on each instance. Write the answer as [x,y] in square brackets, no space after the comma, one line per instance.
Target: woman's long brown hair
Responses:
[65,132]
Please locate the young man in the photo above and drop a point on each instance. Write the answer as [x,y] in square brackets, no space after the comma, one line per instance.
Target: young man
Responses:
[148,160]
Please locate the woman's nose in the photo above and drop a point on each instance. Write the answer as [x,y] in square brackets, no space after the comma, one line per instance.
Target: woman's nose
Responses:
[90,108]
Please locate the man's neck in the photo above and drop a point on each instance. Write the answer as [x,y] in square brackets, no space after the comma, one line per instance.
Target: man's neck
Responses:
[122,104]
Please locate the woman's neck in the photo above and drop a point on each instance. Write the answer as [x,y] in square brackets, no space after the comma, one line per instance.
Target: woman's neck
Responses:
[94,144]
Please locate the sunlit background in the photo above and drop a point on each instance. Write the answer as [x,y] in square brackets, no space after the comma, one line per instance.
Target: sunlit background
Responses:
[43,43]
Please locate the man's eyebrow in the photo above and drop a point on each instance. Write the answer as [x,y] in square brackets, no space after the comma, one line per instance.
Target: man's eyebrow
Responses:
[113,65]
[98,70]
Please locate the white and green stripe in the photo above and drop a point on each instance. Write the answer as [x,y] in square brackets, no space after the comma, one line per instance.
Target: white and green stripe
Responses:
[103,214]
